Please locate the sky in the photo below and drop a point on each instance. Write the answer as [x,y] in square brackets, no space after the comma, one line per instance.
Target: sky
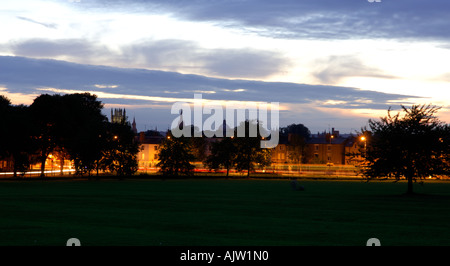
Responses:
[328,63]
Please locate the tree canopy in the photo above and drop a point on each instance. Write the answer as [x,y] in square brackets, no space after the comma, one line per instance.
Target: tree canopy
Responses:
[175,156]
[297,136]
[15,139]
[242,152]
[223,154]
[411,144]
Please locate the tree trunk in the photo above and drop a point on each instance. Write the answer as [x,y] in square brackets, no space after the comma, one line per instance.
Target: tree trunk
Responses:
[410,185]
[248,165]
[43,159]
[62,165]
[15,168]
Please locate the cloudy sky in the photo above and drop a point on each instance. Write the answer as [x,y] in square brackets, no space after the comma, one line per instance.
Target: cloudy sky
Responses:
[328,63]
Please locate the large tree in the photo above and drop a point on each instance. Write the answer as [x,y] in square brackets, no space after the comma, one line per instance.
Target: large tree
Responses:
[223,154]
[70,124]
[5,119]
[48,118]
[120,149]
[248,148]
[15,140]
[410,144]
[175,156]
[19,139]
[84,132]
[297,136]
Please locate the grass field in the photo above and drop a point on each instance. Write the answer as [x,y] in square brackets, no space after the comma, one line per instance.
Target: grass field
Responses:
[222,212]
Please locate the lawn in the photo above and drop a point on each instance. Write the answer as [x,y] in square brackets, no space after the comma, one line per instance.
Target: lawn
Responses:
[219,212]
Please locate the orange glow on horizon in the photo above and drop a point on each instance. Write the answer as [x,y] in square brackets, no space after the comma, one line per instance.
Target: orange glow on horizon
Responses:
[18,98]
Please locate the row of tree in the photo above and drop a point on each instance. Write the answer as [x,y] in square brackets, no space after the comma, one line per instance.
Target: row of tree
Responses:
[70,127]
[242,153]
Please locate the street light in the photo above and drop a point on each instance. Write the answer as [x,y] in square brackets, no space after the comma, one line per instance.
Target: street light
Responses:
[50,156]
[365,145]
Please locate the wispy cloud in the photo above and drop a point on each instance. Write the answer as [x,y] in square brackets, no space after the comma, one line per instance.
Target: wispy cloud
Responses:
[62,48]
[171,55]
[47,25]
[334,68]
[327,19]
[181,55]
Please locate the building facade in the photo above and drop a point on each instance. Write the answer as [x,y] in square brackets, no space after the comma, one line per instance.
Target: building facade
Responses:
[150,142]
[332,148]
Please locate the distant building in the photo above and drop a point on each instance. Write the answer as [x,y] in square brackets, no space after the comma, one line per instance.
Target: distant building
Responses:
[353,146]
[331,147]
[6,164]
[280,154]
[322,148]
[134,126]
[118,116]
[150,142]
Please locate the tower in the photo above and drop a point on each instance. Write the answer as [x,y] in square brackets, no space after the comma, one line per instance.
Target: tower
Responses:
[134,126]
[118,116]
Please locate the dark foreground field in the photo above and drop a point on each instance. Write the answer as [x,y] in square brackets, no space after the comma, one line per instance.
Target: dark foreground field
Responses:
[222,212]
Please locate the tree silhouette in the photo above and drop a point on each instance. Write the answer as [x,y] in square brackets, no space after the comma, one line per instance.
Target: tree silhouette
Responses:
[119,150]
[84,133]
[175,156]
[70,127]
[248,148]
[412,145]
[15,141]
[223,154]
[70,124]
[297,136]
[47,113]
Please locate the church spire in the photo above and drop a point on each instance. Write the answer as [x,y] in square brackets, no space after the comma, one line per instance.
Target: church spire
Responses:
[134,126]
